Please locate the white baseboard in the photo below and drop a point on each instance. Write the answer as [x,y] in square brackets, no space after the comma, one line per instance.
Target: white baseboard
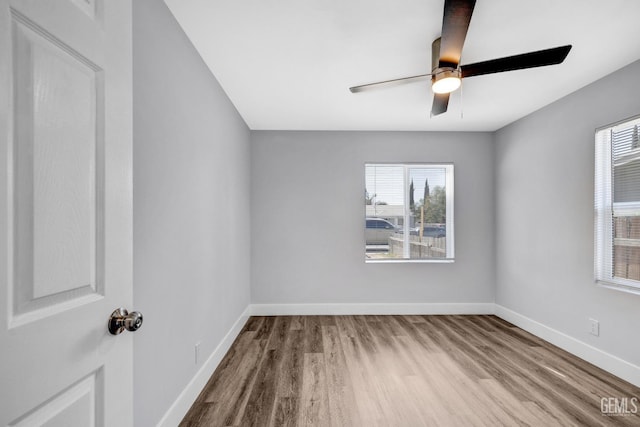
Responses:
[372,308]
[181,406]
[601,359]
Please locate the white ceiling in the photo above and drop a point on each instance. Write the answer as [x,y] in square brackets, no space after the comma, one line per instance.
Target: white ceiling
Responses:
[288,64]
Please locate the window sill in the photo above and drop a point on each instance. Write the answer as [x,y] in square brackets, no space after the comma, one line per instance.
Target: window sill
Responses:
[410,261]
[618,287]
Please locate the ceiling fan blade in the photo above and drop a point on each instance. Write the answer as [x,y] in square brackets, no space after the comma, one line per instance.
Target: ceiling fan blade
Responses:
[440,103]
[387,83]
[455,23]
[538,58]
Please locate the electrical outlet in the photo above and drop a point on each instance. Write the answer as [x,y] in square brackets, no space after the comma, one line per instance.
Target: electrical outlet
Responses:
[595,327]
[197,353]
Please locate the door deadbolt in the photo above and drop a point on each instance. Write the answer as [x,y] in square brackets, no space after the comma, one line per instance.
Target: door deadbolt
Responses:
[121,319]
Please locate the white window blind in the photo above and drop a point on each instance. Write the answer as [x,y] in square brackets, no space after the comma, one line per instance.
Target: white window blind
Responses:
[617,205]
[409,212]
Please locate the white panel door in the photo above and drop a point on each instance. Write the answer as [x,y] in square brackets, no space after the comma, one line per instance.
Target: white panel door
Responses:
[65,212]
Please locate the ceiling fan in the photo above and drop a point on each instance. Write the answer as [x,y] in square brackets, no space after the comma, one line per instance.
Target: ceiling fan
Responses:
[446,71]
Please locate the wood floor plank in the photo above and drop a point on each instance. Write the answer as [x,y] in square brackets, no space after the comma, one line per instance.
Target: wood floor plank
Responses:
[327,320]
[313,335]
[358,371]
[265,327]
[340,391]
[287,401]
[425,399]
[410,371]
[254,323]
[415,330]
[462,347]
[363,334]
[230,393]
[314,398]
[412,319]
[259,406]
[439,397]
[297,323]
[519,412]
[388,348]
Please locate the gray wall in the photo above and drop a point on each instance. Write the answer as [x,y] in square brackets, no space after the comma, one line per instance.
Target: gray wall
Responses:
[191,210]
[307,216]
[544,207]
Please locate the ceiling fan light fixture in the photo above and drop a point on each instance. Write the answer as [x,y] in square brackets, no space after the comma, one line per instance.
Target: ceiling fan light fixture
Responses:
[445,80]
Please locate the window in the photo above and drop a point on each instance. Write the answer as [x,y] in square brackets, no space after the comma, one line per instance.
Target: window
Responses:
[617,206]
[408,212]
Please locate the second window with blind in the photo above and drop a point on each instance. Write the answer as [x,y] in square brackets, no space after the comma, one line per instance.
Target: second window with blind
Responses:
[409,213]
[617,205]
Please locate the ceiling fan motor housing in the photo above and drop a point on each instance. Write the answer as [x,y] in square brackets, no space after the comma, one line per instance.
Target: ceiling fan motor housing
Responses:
[445,77]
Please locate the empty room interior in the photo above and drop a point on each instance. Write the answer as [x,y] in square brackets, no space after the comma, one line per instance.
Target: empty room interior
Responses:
[323,232]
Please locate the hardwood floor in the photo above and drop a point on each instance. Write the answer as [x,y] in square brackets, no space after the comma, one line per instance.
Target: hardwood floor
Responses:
[405,371]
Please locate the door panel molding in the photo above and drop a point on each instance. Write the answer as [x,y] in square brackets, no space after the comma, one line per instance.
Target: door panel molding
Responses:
[80,402]
[57,174]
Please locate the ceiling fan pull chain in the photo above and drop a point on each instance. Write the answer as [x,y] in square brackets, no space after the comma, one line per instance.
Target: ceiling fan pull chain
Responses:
[461,103]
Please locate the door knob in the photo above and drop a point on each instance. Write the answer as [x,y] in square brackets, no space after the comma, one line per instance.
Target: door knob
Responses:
[121,319]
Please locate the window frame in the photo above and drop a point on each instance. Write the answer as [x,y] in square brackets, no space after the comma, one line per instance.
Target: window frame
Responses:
[449,207]
[606,210]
